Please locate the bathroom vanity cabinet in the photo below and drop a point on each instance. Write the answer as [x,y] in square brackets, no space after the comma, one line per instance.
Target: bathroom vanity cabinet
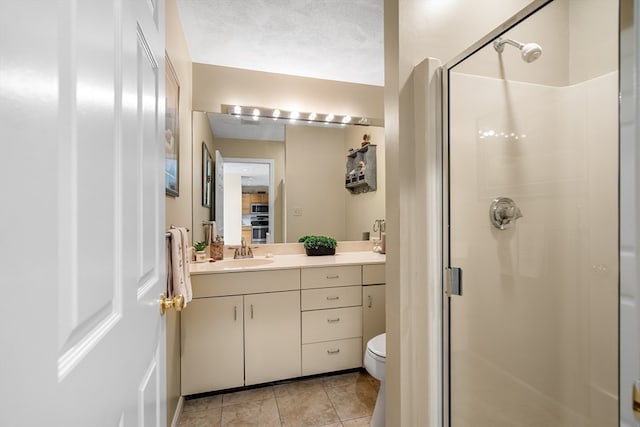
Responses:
[212,335]
[244,339]
[251,327]
[373,302]
[331,319]
[271,336]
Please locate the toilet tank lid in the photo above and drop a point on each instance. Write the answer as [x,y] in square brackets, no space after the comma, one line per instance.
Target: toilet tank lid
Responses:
[378,345]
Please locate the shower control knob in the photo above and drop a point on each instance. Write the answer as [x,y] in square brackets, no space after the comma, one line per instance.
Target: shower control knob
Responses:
[503,212]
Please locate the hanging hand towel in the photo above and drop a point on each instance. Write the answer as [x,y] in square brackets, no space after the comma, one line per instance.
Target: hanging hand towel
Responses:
[180,280]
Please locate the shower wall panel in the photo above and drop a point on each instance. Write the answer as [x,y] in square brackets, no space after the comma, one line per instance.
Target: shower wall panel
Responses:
[534,338]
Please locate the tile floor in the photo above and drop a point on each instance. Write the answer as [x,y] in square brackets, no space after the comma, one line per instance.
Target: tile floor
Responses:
[344,400]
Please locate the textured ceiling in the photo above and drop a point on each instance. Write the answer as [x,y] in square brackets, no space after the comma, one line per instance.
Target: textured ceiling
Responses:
[327,39]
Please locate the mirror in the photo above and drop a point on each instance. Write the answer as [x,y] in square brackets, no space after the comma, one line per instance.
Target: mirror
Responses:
[305,192]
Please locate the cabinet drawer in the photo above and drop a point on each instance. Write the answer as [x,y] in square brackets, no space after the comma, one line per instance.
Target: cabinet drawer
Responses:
[332,324]
[331,356]
[315,299]
[373,274]
[324,277]
[244,282]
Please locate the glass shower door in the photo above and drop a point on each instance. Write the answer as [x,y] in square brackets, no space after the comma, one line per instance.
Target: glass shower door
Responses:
[533,223]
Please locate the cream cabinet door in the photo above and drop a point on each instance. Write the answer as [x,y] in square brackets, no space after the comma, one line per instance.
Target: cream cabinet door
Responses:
[373,313]
[212,344]
[272,336]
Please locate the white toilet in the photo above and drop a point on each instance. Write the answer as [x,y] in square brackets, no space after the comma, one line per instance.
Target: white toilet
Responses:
[374,362]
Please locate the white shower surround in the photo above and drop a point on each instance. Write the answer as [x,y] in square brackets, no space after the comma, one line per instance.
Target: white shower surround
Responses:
[554,284]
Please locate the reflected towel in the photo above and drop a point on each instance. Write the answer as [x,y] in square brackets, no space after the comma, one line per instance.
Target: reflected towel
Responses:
[178,279]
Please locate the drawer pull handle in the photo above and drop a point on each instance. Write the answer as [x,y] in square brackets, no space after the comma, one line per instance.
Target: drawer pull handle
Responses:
[333,298]
[235,313]
[252,311]
[333,276]
[337,319]
[370,300]
[336,351]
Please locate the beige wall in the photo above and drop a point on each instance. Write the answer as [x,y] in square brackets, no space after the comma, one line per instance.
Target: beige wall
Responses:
[593,38]
[364,208]
[261,150]
[414,30]
[549,28]
[221,85]
[201,133]
[178,209]
[575,45]
[316,160]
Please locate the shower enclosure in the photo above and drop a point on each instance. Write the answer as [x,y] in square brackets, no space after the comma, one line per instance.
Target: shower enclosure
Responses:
[531,148]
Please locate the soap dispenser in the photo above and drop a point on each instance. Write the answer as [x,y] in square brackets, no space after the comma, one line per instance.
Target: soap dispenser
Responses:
[379,246]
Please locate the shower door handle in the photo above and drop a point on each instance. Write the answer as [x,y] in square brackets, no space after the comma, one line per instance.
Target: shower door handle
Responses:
[453,281]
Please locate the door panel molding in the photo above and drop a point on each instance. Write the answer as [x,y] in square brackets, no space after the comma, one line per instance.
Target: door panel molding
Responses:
[149,393]
[69,359]
[148,155]
[90,224]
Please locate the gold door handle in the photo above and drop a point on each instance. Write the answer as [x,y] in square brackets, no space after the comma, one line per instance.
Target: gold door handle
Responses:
[176,302]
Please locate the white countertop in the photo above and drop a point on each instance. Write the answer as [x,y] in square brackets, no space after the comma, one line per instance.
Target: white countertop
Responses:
[229,265]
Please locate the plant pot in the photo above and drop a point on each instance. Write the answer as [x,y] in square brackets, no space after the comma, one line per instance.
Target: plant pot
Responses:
[201,256]
[322,250]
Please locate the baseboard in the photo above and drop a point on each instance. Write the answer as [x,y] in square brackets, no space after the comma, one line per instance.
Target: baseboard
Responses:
[176,415]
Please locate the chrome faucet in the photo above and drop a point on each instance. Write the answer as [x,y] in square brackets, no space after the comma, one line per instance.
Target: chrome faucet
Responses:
[243,251]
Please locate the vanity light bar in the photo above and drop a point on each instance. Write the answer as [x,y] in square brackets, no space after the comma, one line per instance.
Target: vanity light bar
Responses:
[274,113]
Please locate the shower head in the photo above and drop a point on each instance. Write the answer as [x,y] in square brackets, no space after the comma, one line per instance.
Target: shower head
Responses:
[530,51]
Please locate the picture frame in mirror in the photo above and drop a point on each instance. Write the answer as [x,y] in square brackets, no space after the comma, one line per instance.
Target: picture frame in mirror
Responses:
[207,176]
[171,131]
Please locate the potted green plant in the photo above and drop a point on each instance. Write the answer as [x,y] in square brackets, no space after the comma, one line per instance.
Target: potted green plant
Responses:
[319,245]
[199,248]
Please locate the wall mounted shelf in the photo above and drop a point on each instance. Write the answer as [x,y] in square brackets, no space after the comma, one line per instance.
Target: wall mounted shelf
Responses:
[361,169]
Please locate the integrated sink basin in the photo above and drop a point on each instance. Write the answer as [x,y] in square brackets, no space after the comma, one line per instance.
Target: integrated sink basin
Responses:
[243,263]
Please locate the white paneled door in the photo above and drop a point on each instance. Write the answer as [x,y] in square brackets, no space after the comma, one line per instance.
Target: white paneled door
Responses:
[81,246]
